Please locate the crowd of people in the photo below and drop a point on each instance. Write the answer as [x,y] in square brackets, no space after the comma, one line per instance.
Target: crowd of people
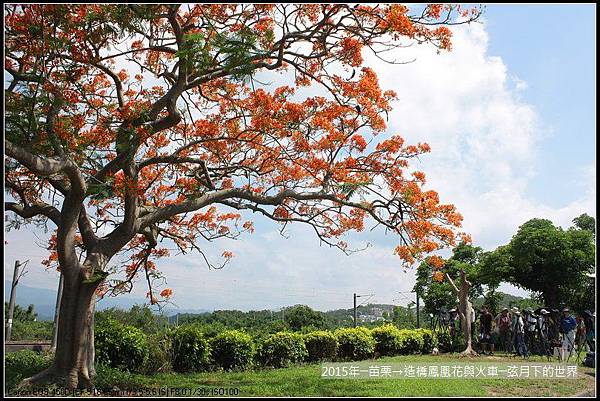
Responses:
[524,332]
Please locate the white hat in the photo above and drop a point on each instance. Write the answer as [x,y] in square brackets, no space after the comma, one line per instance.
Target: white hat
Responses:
[544,312]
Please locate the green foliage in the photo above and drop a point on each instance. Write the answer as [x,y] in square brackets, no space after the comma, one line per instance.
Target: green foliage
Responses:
[444,341]
[437,295]
[355,343]
[585,222]
[387,340]
[140,316]
[30,330]
[21,314]
[233,350]
[491,301]
[404,317]
[257,323]
[160,354]
[231,51]
[428,340]
[411,342]
[392,341]
[282,349]
[22,364]
[549,260]
[120,346]
[321,345]
[300,316]
[191,350]
[108,377]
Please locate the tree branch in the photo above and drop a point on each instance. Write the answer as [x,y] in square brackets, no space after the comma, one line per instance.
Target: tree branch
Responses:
[34,209]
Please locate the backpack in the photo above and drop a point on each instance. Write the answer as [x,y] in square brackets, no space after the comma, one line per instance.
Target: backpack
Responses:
[505,322]
[590,360]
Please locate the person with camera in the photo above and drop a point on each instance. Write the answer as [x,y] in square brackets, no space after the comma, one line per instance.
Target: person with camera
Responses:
[590,330]
[504,322]
[485,331]
[568,324]
[519,334]
[530,329]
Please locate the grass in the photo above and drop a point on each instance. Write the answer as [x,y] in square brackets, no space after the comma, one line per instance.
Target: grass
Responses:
[306,381]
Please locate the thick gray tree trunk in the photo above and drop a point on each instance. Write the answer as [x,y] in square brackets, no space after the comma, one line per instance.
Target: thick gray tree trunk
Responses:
[73,365]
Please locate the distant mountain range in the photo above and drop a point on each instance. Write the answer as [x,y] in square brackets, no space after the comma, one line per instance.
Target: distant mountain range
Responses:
[44,301]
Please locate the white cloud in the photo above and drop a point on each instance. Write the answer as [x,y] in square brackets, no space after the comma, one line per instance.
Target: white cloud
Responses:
[484,138]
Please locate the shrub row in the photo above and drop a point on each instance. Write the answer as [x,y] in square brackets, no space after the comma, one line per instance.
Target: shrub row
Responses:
[188,348]
[22,364]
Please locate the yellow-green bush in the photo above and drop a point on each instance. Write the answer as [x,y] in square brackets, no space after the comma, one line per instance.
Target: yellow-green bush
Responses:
[282,349]
[233,350]
[388,340]
[120,346]
[355,344]
[321,345]
[191,350]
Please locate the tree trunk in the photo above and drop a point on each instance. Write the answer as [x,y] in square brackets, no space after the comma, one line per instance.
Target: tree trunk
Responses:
[466,306]
[73,365]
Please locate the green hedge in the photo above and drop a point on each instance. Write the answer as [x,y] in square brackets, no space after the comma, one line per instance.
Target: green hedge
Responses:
[191,350]
[233,350]
[22,364]
[444,340]
[321,345]
[160,357]
[355,343]
[411,342]
[282,349]
[388,340]
[429,340]
[39,330]
[392,341]
[120,346]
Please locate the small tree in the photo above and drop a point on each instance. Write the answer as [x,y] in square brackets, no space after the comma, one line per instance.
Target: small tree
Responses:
[464,263]
[300,316]
[549,261]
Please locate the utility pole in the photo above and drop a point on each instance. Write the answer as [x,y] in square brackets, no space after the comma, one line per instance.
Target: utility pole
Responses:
[13,296]
[354,309]
[57,314]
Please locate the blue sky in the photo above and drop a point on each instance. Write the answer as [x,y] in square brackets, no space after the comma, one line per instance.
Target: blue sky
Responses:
[510,116]
[552,49]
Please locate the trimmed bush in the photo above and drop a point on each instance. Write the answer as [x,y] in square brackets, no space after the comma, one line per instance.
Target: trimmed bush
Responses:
[22,364]
[429,340]
[321,345]
[120,346]
[355,343]
[388,340]
[282,349]
[411,342]
[191,350]
[233,350]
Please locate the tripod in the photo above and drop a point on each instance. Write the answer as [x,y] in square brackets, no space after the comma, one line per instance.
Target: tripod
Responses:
[571,344]
[578,350]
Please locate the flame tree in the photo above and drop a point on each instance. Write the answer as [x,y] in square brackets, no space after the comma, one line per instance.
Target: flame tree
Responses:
[129,125]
